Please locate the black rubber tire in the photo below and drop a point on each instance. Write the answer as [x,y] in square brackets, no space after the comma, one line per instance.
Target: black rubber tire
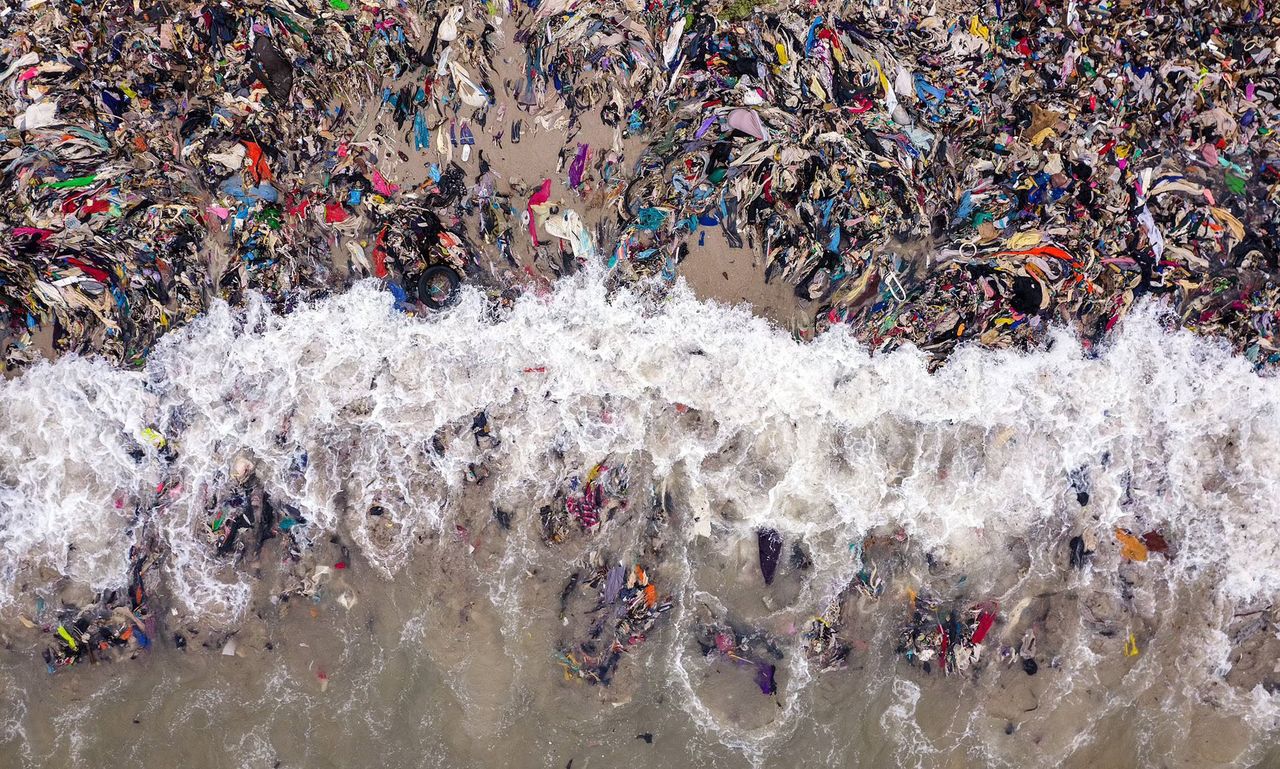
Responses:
[431,275]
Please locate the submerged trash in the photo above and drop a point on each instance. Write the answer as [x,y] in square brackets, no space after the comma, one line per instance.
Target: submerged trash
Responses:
[588,502]
[1156,543]
[948,638]
[1131,548]
[118,624]
[823,643]
[769,543]
[826,637]
[626,607]
[1131,646]
[744,647]
[1080,552]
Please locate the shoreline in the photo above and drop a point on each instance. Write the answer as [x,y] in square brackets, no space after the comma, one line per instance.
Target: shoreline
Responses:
[503,597]
[954,446]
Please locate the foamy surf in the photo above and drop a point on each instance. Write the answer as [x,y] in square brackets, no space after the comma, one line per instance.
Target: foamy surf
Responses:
[981,463]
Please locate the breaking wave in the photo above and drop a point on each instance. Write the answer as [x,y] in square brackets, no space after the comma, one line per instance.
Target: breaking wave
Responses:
[985,462]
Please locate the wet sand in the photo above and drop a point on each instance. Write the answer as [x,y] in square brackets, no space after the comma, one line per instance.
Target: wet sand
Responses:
[717,272]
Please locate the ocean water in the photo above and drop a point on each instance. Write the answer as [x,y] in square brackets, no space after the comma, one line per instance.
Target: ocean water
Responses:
[970,482]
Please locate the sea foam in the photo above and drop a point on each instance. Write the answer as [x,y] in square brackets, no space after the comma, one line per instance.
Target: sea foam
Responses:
[337,404]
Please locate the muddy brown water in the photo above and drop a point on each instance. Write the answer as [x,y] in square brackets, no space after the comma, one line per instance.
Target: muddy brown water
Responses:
[450,664]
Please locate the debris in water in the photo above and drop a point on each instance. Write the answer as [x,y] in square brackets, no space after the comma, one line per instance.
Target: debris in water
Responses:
[770,544]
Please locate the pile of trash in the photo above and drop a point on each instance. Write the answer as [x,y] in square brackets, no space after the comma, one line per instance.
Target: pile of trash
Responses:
[625,606]
[924,173]
[948,638]
[824,644]
[117,625]
[928,173]
[588,502]
[941,172]
[156,157]
[242,517]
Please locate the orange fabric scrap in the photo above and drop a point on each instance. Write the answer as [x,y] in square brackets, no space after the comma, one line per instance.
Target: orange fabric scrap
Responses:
[1131,547]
